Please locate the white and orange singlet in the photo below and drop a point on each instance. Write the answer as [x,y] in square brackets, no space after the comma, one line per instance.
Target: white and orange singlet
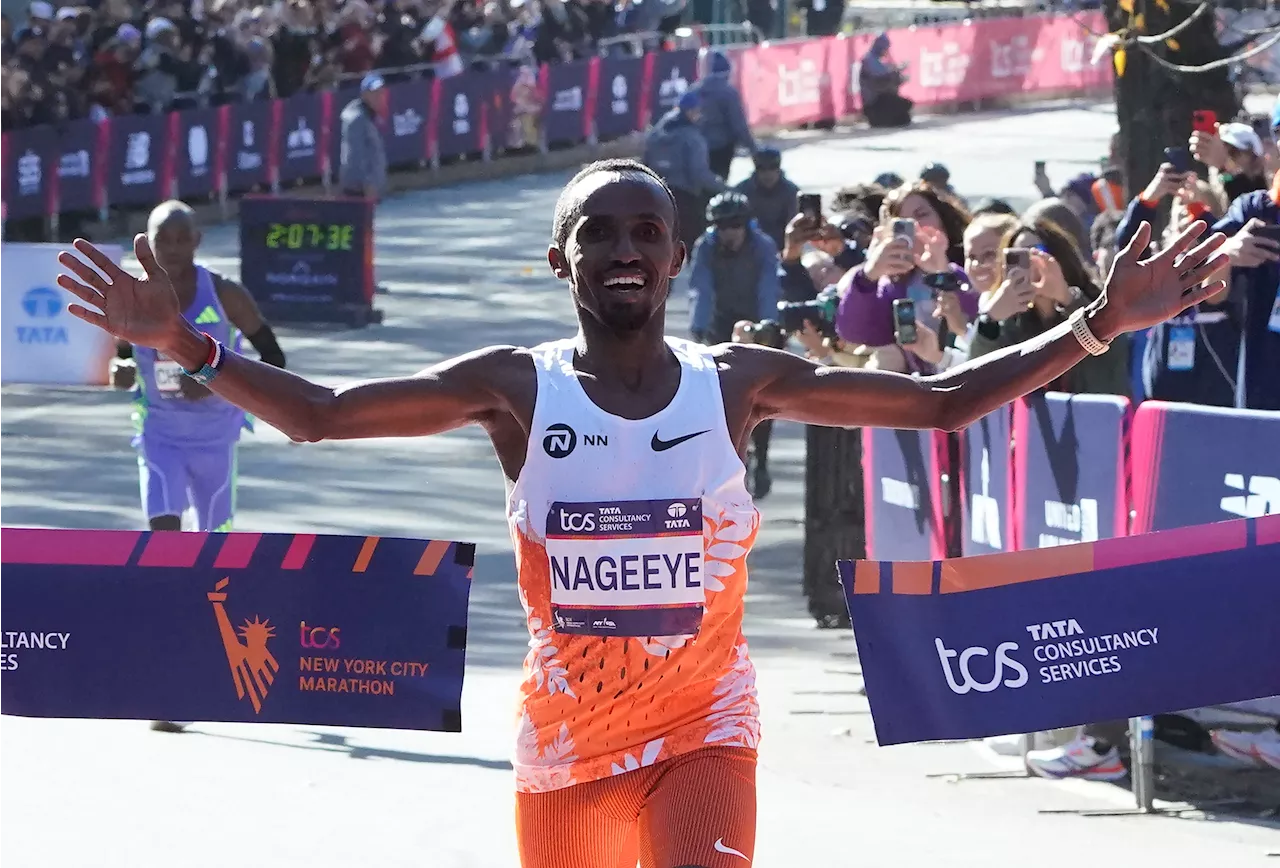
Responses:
[631,541]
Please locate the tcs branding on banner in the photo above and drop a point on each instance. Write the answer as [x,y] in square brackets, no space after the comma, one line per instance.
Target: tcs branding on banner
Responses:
[1065,657]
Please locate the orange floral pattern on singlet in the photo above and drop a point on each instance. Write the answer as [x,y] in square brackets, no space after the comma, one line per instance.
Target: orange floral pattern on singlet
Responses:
[596,706]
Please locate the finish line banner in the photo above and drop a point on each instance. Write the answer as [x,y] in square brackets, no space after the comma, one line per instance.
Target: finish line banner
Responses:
[241,627]
[1035,640]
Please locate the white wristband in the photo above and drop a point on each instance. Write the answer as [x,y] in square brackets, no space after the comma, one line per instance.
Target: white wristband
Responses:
[1085,335]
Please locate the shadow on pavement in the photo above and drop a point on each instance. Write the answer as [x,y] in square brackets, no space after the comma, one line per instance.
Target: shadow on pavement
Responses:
[334,743]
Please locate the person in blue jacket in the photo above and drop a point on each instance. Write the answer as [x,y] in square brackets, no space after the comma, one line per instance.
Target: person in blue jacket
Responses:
[676,150]
[735,271]
[724,121]
[735,279]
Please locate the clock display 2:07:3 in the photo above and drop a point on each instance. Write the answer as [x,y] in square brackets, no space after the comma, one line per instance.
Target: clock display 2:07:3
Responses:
[312,236]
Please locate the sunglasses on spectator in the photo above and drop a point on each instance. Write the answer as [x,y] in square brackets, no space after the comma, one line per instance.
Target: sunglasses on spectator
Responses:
[731,224]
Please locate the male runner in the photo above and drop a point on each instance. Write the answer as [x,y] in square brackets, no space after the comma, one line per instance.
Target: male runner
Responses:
[631,522]
[187,437]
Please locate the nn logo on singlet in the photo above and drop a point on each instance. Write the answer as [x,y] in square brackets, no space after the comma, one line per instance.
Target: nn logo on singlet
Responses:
[561,440]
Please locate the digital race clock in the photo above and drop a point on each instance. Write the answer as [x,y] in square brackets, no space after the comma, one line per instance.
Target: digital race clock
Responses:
[308,260]
[310,236]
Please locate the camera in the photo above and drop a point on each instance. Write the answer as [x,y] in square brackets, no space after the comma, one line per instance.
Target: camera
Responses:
[766,333]
[821,311]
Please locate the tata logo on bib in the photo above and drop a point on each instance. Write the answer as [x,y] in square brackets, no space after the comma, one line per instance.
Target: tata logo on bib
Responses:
[43,307]
[967,680]
[677,512]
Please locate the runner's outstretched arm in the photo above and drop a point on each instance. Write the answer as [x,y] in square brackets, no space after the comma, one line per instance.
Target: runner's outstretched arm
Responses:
[145,311]
[1138,294]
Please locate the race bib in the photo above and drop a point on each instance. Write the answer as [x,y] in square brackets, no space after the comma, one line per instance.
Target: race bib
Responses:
[1182,348]
[627,567]
[168,377]
[1274,323]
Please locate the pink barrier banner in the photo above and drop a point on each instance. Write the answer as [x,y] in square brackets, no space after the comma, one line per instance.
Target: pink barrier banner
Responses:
[808,81]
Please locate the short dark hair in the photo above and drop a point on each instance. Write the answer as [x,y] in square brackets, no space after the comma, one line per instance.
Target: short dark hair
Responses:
[569,207]
[1102,234]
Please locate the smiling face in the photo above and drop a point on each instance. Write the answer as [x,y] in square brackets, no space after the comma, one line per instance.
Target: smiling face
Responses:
[621,253]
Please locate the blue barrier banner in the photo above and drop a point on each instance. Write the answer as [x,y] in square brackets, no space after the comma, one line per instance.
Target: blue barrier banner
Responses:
[249,145]
[195,152]
[30,160]
[80,173]
[1017,642]
[1070,468]
[408,105]
[1193,464]
[134,159]
[673,73]
[902,485]
[986,475]
[243,627]
[565,111]
[301,120]
[618,97]
[461,107]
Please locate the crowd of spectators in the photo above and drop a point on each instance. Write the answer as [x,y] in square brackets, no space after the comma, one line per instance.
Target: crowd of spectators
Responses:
[110,57]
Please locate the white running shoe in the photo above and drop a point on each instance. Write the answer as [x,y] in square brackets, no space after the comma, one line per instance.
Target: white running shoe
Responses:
[1250,748]
[1077,759]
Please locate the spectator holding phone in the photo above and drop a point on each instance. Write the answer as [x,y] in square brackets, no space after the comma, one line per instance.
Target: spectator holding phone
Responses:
[1043,280]
[1235,155]
[912,256]
[810,231]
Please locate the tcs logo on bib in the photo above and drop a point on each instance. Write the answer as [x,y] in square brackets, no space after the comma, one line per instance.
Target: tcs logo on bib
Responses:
[578,522]
[967,680]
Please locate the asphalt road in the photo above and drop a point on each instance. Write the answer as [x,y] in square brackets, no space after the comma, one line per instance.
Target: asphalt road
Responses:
[466,268]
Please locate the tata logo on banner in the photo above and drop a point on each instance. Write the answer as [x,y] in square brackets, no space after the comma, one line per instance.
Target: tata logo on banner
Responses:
[43,307]
[968,681]
[253,666]
[1263,497]
[74,165]
[671,89]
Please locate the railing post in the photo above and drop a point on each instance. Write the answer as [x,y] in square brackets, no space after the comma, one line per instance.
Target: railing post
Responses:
[834,526]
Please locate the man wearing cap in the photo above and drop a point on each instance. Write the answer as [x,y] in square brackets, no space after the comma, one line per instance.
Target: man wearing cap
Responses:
[1254,281]
[362,168]
[159,66]
[1235,155]
[39,15]
[723,121]
[677,151]
[771,194]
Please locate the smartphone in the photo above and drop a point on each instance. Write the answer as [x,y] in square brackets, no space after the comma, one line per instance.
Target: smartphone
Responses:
[1179,158]
[904,321]
[944,281]
[1204,121]
[811,206]
[1040,167]
[905,228]
[1017,257]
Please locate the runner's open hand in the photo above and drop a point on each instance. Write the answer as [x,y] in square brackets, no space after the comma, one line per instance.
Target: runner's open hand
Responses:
[138,310]
[1144,293]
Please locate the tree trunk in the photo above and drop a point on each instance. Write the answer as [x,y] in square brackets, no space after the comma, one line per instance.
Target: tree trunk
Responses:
[833,518]
[1154,104]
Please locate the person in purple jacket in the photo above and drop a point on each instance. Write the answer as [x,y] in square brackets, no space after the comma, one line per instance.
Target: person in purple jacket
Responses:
[896,267]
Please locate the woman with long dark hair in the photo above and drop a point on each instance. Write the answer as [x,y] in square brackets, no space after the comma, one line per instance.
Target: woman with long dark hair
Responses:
[1031,300]
[901,267]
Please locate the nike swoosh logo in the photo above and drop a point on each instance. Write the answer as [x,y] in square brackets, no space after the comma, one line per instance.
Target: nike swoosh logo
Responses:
[660,445]
[720,845]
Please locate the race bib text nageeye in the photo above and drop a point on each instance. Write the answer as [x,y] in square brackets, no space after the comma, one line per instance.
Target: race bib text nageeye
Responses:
[626,568]
[168,376]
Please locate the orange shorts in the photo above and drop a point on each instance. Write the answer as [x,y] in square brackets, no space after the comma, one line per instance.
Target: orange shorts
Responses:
[697,809]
